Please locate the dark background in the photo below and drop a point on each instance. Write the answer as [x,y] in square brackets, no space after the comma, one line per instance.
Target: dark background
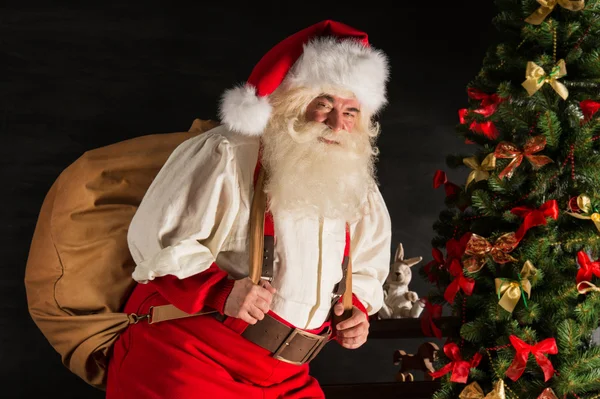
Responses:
[79,76]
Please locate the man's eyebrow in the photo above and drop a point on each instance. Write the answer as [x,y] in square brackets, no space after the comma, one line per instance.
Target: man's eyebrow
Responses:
[332,100]
[327,97]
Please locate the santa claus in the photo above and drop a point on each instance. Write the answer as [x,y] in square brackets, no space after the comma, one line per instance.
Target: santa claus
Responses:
[301,133]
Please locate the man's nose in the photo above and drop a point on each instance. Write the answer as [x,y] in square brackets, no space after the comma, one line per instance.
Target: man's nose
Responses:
[334,121]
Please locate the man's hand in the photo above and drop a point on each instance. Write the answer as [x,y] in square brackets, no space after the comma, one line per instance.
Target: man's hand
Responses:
[249,301]
[352,332]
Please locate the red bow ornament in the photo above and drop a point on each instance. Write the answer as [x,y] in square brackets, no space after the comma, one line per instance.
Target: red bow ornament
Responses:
[455,249]
[462,115]
[487,128]
[459,282]
[440,178]
[510,151]
[535,217]
[489,102]
[431,313]
[438,261]
[587,268]
[459,367]
[517,367]
[589,108]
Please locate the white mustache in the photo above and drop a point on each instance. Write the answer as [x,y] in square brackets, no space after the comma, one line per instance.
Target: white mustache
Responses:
[315,130]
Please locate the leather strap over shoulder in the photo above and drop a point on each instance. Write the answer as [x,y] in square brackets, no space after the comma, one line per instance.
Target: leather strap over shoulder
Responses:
[261,260]
[157,314]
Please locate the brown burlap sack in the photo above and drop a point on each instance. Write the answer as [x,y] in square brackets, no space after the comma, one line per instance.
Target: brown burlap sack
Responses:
[78,273]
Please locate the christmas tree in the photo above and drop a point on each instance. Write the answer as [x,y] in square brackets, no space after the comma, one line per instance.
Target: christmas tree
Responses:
[516,247]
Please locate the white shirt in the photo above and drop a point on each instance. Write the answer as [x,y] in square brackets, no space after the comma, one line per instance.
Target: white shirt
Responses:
[196,212]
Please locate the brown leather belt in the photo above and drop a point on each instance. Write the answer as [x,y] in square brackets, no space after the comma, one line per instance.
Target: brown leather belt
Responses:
[290,345]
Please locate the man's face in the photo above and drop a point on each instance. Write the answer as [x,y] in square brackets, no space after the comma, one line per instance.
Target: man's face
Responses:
[319,162]
[338,113]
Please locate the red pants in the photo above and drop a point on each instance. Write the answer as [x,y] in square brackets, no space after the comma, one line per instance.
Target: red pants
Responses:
[197,357]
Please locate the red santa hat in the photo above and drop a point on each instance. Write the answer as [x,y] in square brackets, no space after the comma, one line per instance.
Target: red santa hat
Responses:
[326,54]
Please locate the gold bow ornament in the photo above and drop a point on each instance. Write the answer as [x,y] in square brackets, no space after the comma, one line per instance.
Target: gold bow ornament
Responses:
[481,171]
[535,78]
[585,286]
[474,391]
[582,208]
[510,291]
[478,248]
[546,7]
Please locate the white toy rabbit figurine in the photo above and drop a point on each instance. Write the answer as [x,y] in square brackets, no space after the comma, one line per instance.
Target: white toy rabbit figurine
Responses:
[399,302]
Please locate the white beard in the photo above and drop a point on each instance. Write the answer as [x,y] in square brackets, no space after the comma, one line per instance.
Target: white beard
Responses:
[308,177]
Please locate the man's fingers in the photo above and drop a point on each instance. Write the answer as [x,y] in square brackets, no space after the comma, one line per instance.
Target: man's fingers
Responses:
[338,309]
[350,341]
[354,320]
[266,285]
[247,318]
[352,345]
[353,332]
[256,313]
[353,342]
[264,294]
[262,305]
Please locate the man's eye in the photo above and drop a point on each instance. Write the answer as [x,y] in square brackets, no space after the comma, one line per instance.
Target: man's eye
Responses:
[349,114]
[323,105]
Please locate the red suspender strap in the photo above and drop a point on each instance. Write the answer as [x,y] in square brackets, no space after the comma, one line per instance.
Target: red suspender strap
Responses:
[347,248]
[340,287]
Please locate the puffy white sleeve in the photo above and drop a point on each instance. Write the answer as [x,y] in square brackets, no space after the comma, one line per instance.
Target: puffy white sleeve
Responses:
[370,251]
[187,212]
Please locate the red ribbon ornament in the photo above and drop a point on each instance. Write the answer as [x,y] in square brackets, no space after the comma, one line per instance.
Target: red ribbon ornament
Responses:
[489,102]
[535,217]
[587,269]
[459,282]
[589,108]
[510,151]
[459,367]
[455,249]
[538,350]
[487,129]
[440,178]
[438,261]
[462,115]
[431,312]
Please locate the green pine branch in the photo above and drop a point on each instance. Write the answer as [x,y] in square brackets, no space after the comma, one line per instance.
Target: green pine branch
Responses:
[555,308]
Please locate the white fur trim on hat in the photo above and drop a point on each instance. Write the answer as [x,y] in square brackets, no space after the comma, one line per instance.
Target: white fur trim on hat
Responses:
[243,111]
[348,64]
[326,63]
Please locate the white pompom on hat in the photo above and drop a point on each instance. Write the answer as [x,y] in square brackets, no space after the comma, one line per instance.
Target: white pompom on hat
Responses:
[327,54]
